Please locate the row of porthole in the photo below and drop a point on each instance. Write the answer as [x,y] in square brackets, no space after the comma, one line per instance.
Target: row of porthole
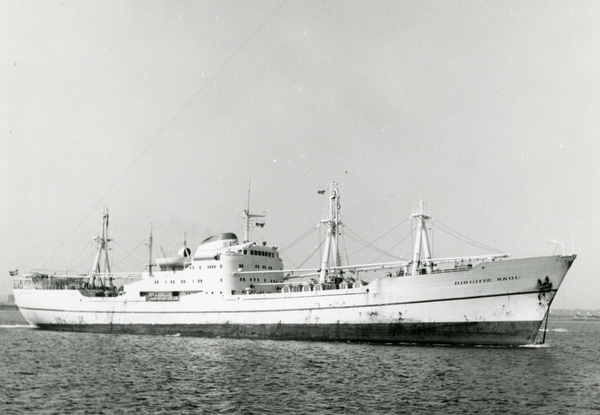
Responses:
[208,266]
[260,253]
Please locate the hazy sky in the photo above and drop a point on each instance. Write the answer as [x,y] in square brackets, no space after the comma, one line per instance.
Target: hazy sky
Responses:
[164,111]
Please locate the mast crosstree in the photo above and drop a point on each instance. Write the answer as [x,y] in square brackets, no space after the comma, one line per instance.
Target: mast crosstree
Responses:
[102,250]
[421,241]
[333,223]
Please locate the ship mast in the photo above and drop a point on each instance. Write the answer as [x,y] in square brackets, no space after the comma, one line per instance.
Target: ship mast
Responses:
[102,250]
[421,240]
[331,242]
[249,216]
[149,243]
[184,249]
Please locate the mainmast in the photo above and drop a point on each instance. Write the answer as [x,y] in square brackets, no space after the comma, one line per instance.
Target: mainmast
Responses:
[421,240]
[149,263]
[102,250]
[249,216]
[331,242]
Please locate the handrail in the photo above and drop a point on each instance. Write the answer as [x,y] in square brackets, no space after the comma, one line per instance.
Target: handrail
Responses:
[383,265]
[67,274]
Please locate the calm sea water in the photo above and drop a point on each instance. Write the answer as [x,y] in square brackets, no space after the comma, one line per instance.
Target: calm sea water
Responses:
[76,373]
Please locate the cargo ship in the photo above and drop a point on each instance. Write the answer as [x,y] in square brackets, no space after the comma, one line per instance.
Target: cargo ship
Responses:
[238,288]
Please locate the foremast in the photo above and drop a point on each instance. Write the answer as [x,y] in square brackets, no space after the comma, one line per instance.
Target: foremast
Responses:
[421,241]
[333,223]
[101,252]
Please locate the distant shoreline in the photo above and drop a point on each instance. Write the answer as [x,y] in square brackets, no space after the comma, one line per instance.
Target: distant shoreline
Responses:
[8,307]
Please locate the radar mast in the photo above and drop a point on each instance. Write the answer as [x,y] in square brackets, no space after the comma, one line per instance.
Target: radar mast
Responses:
[249,217]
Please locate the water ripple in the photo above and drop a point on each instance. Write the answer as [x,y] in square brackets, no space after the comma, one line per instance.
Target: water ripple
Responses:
[56,373]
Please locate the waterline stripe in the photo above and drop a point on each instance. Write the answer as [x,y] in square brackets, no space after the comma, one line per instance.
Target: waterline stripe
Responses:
[285,309]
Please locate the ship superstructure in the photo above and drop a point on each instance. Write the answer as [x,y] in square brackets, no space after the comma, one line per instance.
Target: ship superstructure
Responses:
[234,288]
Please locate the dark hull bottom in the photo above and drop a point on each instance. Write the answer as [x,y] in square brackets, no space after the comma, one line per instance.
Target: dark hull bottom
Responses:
[467,333]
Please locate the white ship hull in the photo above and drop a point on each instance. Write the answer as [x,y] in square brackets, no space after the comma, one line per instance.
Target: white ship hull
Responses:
[497,302]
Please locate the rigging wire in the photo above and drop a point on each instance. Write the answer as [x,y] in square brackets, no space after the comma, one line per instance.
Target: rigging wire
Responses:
[464,238]
[432,238]
[168,125]
[393,247]
[173,248]
[345,246]
[370,244]
[77,256]
[374,248]
[126,258]
[288,259]
[320,243]
[305,235]
[80,265]
[311,255]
